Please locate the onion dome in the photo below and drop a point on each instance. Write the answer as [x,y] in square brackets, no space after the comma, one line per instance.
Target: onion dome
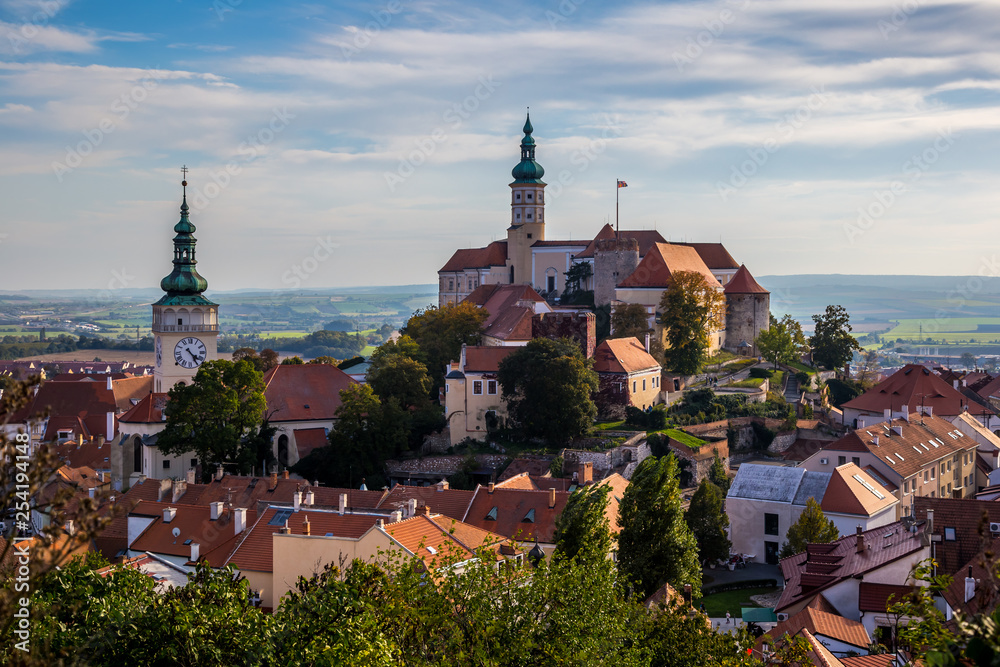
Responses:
[527,170]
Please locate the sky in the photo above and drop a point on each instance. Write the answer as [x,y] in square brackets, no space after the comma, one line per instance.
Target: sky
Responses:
[345,144]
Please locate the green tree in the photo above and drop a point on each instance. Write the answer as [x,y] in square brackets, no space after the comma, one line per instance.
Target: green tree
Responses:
[968,360]
[440,333]
[217,416]
[708,521]
[293,361]
[782,342]
[404,346]
[367,432]
[576,279]
[690,310]
[400,377]
[832,342]
[812,527]
[717,475]
[548,386]
[582,529]
[630,319]
[655,545]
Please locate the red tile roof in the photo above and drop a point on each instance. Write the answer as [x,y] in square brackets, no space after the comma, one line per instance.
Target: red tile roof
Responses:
[878,597]
[482,359]
[510,309]
[453,503]
[248,491]
[495,254]
[194,523]
[880,660]
[714,255]
[662,261]
[743,283]
[304,392]
[821,624]
[256,550]
[89,454]
[147,411]
[433,536]
[646,238]
[623,355]
[83,406]
[971,520]
[913,385]
[520,514]
[308,439]
[845,494]
[823,565]
[986,591]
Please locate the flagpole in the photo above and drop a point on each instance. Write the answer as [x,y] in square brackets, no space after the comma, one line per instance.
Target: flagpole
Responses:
[617,188]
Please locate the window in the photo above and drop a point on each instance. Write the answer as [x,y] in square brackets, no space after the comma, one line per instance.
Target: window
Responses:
[942,469]
[841,460]
[517,197]
[933,470]
[491,387]
[550,281]
[644,385]
[517,216]
[925,477]
[194,463]
[477,387]
[451,284]
[906,487]
[633,386]
[166,464]
[280,517]
[856,461]
[529,196]
[770,524]
[529,216]
[529,236]
[949,534]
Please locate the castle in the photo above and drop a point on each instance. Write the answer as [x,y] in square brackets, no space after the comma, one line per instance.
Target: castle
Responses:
[629,266]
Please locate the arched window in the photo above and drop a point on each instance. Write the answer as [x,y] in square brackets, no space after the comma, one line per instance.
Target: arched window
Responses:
[512,275]
[137,455]
[283,450]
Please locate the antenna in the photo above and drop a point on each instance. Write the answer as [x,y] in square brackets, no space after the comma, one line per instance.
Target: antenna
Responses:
[176,532]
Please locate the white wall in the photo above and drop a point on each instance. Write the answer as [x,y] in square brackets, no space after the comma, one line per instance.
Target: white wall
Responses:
[848,524]
[746,524]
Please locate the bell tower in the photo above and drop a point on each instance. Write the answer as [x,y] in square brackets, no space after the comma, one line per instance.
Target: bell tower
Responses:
[185,323]
[527,210]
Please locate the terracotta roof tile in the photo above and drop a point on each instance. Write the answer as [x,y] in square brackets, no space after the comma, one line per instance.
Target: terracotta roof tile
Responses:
[913,385]
[853,491]
[743,283]
[986,590]
[89,454]
[304,392]
[714,255]
[482,359]
[148,410]
[519,514]
[662,261]
[623,355]
[823,624]
[646,238]
[968,517]
[495,254]
[881,660]
[876,597]
[453,503]
[194,523]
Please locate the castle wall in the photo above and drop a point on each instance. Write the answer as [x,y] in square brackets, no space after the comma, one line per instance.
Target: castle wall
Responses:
[746,316]
[614,260]
[580,326]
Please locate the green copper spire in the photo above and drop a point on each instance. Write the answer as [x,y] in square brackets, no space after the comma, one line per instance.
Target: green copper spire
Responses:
[527,170]
[184,285]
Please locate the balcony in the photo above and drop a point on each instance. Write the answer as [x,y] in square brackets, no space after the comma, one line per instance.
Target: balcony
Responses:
[168,328]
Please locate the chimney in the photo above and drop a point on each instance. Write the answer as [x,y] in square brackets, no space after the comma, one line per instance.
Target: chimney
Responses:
[411,507]
[100,440]
[898,430]
[169,513]
[110,386]
[284,474]
[887,414]
[189,476]
[970,586]
[929,410]
[380,523]
[586,473]
[219,472]
[860,539]
[647,343]
[930,522]
[491,487]
[296,500]
[179,489]
[110,426]
[91,491]
[239,520]
[552,498]
[424,510]
[79,439]
[396,516]
[305,525]
[343,503]
[875,440]
[442,485]
[274,481]
[906,413]
[310,498]
[216,509]
[70,529]
[165,486]
[195,548]
[954,383]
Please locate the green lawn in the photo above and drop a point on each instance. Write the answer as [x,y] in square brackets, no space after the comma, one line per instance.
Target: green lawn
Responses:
[801,367]
[949,329]
[751,383]
[684,438]
[717,604]
[609,426]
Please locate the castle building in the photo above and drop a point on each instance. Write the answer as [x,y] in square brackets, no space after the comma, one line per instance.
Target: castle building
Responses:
[627,266]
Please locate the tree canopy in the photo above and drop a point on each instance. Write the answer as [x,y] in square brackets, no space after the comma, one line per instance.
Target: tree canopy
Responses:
[630,319]
[655,545]
[548,386]
[690,310]
[832,343]
[783,342]
[440,333]
[218,416]
[582,529]
[812,527]
[708,521]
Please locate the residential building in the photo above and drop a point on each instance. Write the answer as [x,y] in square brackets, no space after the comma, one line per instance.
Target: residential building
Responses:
[910,388]
[922,455]
[523,515]
[472,394]
[628,375]
[841,636]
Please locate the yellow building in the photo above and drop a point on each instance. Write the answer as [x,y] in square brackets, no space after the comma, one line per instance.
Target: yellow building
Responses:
[472,397]
[628,374]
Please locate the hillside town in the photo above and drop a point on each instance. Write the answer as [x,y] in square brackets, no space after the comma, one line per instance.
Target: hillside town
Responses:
[618,403]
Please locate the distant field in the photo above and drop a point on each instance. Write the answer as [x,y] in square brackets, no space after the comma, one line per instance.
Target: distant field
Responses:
[131,356]
[952,330]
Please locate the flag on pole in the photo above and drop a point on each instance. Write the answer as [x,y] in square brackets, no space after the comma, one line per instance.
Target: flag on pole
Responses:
[622,184]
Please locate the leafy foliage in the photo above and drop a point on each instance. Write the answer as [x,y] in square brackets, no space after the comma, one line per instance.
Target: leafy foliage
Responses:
[655,545]
[783,342]
[690,310]
[708,521]
[630,319]
[582,529]
[717,475]
[440,333]
[812,527]
[218,416]
[832,343]
[548,386]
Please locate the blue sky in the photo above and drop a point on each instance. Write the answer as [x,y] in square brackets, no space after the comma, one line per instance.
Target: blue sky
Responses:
[341,144]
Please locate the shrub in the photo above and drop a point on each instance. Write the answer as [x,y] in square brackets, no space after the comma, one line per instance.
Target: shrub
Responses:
[757,372]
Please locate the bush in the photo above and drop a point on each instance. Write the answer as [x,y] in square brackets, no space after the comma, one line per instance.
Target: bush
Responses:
[804,378]
[757,372]
[738,586]
[653,419]
[842,391]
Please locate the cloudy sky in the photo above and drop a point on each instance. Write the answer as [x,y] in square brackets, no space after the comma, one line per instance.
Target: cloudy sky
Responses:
[340,144]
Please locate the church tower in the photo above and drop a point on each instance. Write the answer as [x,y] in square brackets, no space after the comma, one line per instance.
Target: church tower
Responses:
[185,323]
[527,211]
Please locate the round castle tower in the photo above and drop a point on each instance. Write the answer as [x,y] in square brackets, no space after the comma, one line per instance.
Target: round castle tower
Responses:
[614,261]
[748,312]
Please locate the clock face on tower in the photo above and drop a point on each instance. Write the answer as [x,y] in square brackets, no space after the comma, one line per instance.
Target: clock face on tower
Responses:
[159,351]
[189,352]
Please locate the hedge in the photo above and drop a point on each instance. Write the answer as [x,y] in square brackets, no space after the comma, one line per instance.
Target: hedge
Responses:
[739,586]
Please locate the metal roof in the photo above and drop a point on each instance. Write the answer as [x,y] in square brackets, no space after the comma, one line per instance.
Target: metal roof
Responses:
[813,485]
[779,484]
